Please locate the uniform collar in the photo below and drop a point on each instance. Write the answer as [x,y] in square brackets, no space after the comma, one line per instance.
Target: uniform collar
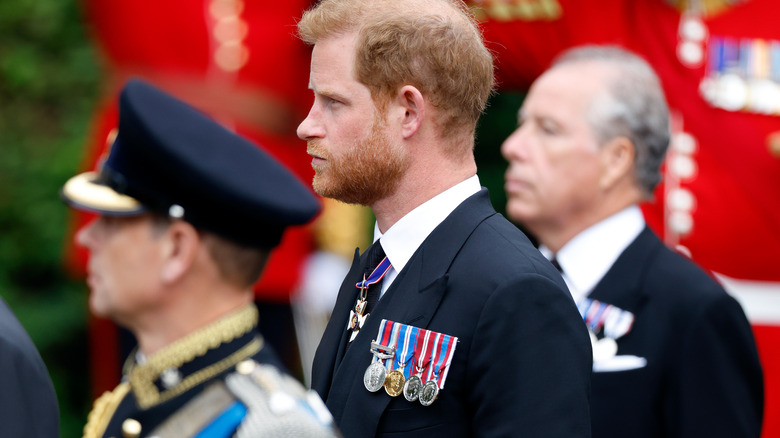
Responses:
[195,358]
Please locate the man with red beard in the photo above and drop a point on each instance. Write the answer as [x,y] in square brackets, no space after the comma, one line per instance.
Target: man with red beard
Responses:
[450,291]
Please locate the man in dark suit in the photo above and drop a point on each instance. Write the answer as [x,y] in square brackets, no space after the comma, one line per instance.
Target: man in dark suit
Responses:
[473,331]
[28,404]
[673,353]
[187,215]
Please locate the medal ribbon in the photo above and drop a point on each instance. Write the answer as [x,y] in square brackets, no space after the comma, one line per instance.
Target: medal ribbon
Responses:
[424,355]
[435,352]
[378,274]
[452,343]
[383,335]
[402,359]
[618,322]
[393,342]
[441,351]
[615,321]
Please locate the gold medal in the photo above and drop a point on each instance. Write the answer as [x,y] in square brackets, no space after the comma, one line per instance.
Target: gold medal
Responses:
[394,383]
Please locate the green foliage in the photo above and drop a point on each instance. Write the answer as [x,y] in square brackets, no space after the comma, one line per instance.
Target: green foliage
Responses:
[48,83]
[499,120]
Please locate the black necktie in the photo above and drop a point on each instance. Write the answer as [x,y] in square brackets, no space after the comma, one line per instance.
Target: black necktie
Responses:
[557,265]
[375,256]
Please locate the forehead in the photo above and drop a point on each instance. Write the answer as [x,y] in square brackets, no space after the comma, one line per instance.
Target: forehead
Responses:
[567,90]
[333,61]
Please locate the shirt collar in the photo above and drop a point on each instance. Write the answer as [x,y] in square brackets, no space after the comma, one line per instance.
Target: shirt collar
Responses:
[405,236]
[587,257]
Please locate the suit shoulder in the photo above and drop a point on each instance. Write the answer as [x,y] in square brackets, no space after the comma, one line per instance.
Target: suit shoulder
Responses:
[497,252]
[687,289]
[506,247]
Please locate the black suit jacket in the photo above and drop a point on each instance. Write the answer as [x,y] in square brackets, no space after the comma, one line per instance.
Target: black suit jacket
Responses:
[702,378]
[523,361]
[28,404]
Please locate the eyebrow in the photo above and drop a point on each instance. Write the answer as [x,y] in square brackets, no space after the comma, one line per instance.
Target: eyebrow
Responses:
[332,95]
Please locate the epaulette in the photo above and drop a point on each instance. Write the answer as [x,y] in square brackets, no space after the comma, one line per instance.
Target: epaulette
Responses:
[255,400]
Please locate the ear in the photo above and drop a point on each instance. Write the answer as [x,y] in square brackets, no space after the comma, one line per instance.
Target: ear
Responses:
[180,250]
[617,161]
[412,103]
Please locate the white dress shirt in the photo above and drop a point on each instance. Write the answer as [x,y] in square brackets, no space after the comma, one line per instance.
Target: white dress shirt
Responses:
[405,236]
[587,257]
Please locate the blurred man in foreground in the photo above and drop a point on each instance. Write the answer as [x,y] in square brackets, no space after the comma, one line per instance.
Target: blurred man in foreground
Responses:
[188,212]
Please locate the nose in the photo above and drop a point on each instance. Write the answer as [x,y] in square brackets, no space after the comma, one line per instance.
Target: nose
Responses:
[310,128]
[85,235]
[513,147]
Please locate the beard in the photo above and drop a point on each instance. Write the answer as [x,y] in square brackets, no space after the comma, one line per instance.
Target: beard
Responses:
[367,171]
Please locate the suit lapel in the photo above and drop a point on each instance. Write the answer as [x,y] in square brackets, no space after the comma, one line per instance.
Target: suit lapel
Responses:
[413,298]
[622,285]
[333,342]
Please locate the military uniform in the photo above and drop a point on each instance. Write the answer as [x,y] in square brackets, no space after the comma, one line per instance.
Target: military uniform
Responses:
[183,389]
[171,162]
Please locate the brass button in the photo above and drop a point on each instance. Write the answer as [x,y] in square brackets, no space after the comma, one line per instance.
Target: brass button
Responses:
[131,428]
[246,366]
[773,143]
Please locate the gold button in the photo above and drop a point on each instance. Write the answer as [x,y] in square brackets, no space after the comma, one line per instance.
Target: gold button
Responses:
[773,143]
[131,428]
[246,367]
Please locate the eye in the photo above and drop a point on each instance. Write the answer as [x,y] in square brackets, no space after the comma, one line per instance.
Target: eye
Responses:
[548,127]
[330,101]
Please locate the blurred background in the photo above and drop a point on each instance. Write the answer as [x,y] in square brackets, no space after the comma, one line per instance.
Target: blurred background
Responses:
[48,84]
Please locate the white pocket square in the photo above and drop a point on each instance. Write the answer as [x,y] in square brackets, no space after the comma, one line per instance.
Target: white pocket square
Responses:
[619,363]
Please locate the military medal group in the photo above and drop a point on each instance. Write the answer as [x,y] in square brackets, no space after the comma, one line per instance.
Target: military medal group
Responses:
[409,360]
[406,360]
[614,321]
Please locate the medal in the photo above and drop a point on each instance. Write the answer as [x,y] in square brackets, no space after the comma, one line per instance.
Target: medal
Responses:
[412,388]
[376,373]
[414,385]
[394,384]
[357,316]
[443,349]
[374,377]
[429,393]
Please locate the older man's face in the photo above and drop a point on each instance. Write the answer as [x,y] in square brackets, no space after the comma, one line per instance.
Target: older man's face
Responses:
[554,160]
[126,255]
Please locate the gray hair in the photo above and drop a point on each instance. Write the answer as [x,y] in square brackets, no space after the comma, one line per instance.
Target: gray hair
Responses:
[634,107]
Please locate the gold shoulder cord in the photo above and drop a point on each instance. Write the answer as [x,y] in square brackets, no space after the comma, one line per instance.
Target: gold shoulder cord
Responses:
[142,377]
[103,409]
